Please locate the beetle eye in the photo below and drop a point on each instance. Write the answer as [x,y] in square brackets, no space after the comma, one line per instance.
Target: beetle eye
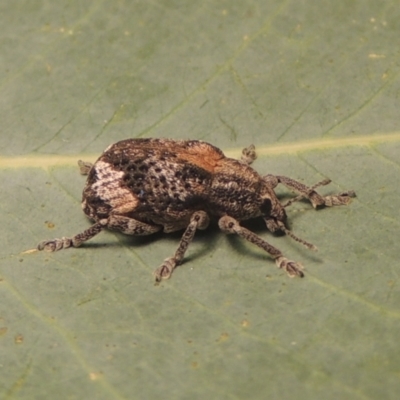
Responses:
[266,207]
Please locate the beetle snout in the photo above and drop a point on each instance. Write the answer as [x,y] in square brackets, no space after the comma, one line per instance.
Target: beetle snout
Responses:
[276,220]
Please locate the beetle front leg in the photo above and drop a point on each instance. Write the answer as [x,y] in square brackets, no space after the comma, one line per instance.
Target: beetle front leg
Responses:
[309,192]
[230,225]
[199,220]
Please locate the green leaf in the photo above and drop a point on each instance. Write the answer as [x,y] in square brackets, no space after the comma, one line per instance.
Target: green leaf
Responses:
[315,86]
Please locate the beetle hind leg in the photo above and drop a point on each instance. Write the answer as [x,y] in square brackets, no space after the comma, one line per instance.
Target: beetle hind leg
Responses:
[84,167]
[126,225]
[75,241]
[248,155]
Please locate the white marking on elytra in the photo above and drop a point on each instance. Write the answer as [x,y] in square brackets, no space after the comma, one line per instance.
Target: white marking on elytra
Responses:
[108,188]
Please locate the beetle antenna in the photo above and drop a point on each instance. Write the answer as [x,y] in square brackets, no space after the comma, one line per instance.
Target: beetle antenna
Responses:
[296,238]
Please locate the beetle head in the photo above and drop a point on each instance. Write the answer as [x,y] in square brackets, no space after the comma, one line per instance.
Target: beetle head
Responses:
[275,217]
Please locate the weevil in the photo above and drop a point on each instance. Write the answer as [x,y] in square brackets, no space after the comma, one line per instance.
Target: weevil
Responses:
[142,186]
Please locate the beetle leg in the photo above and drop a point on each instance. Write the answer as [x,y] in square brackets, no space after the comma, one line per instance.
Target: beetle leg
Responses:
[84,167]
[231,225]
[75,241]
[131,226]
[126,225]
[248,155]
[310,193]
[199,220]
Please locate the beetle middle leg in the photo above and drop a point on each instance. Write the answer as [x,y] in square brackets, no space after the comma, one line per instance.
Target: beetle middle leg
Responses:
[231,225]
[199,220]
[309,192]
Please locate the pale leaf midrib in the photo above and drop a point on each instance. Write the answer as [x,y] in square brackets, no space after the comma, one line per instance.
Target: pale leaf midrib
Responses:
[51,160]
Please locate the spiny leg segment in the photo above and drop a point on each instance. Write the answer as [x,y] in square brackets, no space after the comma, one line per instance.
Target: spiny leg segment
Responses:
[231,225]
[248,155]
[75,241]
[309,192]
[199,220]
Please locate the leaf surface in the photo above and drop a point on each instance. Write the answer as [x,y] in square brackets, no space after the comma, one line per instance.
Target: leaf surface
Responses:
[315,86]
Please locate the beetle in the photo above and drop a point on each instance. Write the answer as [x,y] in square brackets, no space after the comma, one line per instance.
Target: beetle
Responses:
[142,186]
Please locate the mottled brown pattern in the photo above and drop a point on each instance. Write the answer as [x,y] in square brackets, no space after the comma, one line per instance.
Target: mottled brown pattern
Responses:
[141,186]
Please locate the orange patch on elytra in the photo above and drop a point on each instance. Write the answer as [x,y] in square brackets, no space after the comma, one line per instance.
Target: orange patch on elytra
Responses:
[203,155]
